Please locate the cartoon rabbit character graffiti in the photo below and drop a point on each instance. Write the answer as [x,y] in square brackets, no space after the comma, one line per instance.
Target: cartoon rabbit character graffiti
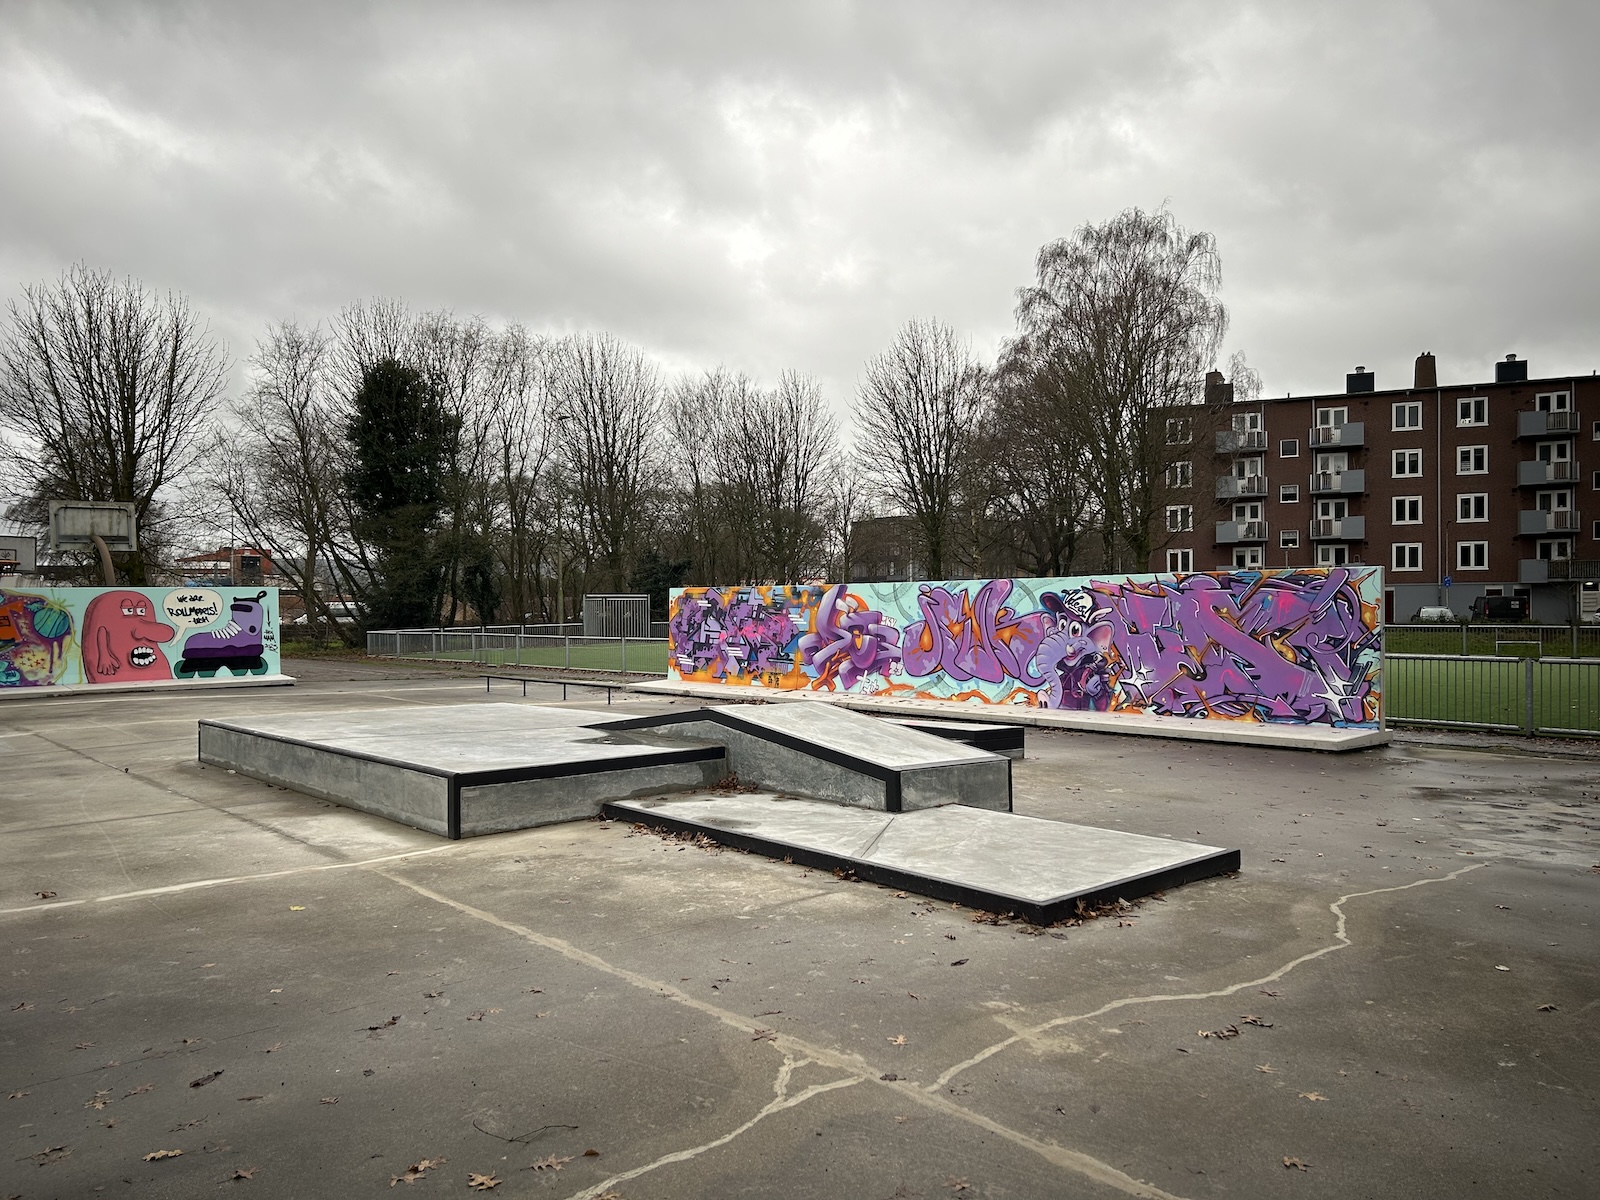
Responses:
[1074,657]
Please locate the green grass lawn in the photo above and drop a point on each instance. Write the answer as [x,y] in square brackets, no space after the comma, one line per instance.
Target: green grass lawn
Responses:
[1492,693]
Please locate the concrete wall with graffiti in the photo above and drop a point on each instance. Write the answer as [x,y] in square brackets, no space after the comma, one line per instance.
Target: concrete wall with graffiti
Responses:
[1293,646]
[62,637]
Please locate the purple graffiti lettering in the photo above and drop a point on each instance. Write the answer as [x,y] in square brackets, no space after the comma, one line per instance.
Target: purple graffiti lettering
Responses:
[974,636]
[851,641]
[731,633]
[1287,647]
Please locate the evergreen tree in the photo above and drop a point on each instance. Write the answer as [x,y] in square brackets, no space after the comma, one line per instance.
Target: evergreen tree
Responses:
[400,435]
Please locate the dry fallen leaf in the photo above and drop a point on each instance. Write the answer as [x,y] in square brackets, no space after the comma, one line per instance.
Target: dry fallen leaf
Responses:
[960,962]
[297,908]
[21,1006]
[140,1090]
[481,1183]
[1312,1096]
[51,1154]
[1227,1031]
[394,1020]
[1498,967]
[45,895]
[415,1170]
[957,1185]
[591,1153]
[551,1163]
[898,1039]
[765,1035]
[244,1173]
[251,1098]
[329,1100]
[1252,1019]
[1296,1164]
[18,1095]
[156,1155]
[1547,1008]
[1266,1068]
[273,1047]
[100,1100]
[204,1079]
[477,1016]
[83,1045]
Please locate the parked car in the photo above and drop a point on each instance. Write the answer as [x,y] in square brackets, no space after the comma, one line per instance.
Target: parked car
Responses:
[1500,608]
[342,612]
[1436,612]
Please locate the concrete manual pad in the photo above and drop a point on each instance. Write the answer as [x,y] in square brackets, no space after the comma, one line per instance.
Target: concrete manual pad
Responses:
[827,753]
[460,770]
[1000,862]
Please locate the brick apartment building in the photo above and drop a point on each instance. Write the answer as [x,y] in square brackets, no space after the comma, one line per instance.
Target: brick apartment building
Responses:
[1459,492]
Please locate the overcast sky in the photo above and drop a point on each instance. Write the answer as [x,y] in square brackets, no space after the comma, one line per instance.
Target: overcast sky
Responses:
[771,186]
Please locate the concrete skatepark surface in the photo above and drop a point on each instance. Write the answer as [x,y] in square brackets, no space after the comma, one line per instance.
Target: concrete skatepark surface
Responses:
[996,861]
[719,1024]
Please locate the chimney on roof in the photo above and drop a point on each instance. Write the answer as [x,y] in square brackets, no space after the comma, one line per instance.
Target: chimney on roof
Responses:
[1512,370]
[1360,380]
[1427,371]
[1217,390]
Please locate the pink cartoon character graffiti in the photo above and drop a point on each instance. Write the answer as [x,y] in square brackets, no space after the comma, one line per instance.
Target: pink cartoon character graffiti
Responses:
[120,638]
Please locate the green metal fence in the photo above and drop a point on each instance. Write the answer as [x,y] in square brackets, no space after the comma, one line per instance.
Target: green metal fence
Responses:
[500,650]
[1563,641]
[1522,694]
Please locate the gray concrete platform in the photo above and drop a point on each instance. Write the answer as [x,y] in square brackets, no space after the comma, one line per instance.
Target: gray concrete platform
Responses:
[998,862]
[1009,740]
[828,753]
[460,772]
[62,691]
[1242,733]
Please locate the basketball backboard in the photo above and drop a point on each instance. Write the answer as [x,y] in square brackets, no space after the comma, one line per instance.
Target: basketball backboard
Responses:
[17,555]
[74,524]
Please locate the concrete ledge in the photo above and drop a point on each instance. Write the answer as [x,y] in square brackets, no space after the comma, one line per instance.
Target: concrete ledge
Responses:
[165,685]
[1244,733]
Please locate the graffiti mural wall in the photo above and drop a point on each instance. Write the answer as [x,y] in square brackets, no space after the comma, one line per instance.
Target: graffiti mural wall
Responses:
[1299,646]
[60,637]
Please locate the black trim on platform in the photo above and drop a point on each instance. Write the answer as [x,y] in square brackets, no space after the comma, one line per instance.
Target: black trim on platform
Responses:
[994,738]
[1222,862]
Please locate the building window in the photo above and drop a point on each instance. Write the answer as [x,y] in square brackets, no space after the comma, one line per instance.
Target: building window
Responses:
[1407,415]
[1472,506]
[1289,539]
[1596,534]
[1472,460]
[1407,463]
[1597,431]
[1555,549]
[1332,556]
[1408,510]
[1407,556]
[1473,411]
[1180,518]
[1597,481]
[1246,558]
[1553,402]
[1289,448]
[1180,431]
[1472,556]
[1180,474]
[1332,418]
[1180,561]
[1289,493]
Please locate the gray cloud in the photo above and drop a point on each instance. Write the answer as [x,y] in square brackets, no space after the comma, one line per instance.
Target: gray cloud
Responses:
[782,186]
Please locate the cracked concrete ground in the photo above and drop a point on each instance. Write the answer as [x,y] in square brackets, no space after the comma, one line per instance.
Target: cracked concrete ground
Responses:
[714,1024]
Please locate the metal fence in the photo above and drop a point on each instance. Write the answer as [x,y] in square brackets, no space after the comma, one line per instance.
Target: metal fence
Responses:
[507,646]
[1520,694]
[1566,641]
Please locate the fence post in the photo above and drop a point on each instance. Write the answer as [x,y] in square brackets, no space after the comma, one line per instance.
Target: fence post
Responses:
[1574,653]
[568,641]
[434,638]
[1527,696]
[624,661]
[1463,639]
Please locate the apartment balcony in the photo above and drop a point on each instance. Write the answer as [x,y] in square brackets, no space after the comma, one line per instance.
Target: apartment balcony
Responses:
[1536,522]
[1338,483]
[1537,474]
[1230,487]
[1547,424]
[1241,441]
[1350,435]
[1340,529]
[1232,532]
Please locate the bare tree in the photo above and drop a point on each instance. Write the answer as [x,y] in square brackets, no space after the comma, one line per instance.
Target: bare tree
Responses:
[1125,315]
[777,452]
[699,415]
[109,387]
[917,408]
[280,468]
[607,399]
[525,502]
